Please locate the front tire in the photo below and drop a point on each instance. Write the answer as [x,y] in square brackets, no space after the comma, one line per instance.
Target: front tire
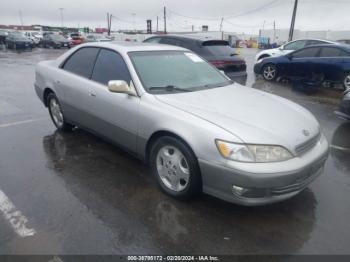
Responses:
[269,72]
[175,168]
[346,81]
[57,114]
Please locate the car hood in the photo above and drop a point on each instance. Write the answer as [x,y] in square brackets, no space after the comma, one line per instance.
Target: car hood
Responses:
[251,115]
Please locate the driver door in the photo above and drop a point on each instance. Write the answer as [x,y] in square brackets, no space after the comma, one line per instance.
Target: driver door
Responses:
[115,115]
[300,64]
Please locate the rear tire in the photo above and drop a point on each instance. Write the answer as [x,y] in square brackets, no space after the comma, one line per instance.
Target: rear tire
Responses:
[56,113]
[175,168]
[269,72]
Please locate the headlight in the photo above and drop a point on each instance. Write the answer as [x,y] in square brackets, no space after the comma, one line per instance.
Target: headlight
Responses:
[253,153]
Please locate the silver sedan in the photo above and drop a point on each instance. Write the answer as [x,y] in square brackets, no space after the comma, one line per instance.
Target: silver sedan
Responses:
[199,131]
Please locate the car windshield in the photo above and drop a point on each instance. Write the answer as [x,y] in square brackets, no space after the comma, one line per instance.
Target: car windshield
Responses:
[57,38]
[19,37]
[175,71]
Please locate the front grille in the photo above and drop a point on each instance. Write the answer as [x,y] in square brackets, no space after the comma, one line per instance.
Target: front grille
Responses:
[308,145]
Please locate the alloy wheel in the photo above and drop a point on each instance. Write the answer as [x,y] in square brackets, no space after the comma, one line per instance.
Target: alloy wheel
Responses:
[173,168]
[269,72]
[56,112]
[347,82]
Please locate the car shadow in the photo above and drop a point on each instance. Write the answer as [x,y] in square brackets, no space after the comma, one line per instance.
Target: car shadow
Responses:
[109,181]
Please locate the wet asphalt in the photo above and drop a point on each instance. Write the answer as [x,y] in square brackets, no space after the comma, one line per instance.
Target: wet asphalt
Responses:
[85,196]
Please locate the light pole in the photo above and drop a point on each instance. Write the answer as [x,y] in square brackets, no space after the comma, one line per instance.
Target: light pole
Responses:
[61,12]
[133,20]
[291,30]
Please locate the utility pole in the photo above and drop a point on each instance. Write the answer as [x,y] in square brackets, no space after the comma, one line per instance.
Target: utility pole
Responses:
[165,20]
[20,17]
[192,28]
[157,23]
[133,21]
[61,12]
[274,31]
[222,20]
[108,24]
[291,30]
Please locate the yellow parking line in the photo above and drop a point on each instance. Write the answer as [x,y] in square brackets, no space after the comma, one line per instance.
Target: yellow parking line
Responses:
[21,122]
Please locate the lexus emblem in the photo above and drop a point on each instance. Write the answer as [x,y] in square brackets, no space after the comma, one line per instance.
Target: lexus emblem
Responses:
[306,132]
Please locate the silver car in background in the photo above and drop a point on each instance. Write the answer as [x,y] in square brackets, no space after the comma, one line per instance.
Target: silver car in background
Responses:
[199,131]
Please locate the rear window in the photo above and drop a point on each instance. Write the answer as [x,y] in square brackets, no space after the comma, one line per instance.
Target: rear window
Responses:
[332,52]
[221,48]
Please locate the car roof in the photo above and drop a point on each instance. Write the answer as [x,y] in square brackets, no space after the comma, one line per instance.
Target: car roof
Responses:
[125,47]
[199,39]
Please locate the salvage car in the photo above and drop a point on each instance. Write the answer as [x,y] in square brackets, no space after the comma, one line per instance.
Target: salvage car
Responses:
[344,108]
[55,41]
[17,41]
[97,38]
[198,130]
[330,63]
[218,52]
[290,47]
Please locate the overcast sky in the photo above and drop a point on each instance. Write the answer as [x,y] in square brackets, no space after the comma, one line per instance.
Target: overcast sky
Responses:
[239,15]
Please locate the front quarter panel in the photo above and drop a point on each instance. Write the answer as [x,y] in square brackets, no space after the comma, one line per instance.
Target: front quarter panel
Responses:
[198,133]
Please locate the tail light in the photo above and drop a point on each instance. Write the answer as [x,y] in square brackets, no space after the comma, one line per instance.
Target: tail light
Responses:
[221,63]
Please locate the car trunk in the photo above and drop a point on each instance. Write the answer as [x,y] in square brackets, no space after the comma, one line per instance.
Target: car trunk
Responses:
[221,55]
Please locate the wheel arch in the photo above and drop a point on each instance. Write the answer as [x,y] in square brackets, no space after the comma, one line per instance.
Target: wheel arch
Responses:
[162,133]
[46,93]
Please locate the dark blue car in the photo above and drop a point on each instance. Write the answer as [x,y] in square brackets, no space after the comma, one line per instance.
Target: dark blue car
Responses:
[317,63]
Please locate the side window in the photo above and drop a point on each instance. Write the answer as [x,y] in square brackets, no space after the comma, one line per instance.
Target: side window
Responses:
[295,45]
[306,53]
[330,52]
[315,42]
[82,61]
[110,66]
[171,41]
[152,40]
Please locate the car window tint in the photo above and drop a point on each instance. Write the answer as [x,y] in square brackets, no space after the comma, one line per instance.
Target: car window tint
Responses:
[315,42]
[331,52]
[307,52]
[295,45]
[110,66]
[82,61]
[152,40]
[171,41]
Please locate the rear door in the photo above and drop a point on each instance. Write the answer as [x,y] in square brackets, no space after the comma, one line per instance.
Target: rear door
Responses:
[74,83]
[330,63]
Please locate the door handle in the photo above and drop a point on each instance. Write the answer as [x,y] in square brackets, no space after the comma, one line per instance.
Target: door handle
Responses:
[92,94]
[57,81]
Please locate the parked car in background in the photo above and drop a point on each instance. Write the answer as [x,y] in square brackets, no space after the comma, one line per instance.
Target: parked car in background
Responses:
[34,36]
[76,39]
[290,47]
[344,41]
[218,52]
[3,35]
[197,129]
[17,41]
[344,108]
[330,63]
[97,38]
[55,41]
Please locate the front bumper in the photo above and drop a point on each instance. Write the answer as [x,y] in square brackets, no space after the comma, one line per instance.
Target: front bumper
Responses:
[264,188]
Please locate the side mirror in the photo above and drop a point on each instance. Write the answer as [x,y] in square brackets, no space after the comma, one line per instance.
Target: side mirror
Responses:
[120,86]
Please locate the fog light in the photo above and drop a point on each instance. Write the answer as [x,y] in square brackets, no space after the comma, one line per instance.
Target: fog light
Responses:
[239,190]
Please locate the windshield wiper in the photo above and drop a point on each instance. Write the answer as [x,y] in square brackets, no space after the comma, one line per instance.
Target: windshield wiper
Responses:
[168,88]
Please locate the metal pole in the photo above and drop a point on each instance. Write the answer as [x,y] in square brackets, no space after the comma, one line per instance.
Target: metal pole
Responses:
[274,31]
[165,20]
[61,11]
[222,20]
[291,31]
[157,23]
